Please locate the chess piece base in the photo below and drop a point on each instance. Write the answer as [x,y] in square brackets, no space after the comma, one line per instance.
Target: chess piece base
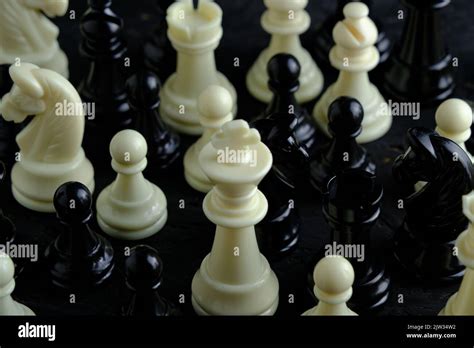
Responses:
[181,113]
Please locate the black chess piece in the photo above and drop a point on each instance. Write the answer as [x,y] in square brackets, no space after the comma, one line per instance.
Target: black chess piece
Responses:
[7,129]
[324,40]
[420,67]
[278,233]
[143,95]
[351,206]
[104,84]
[7,228]
[284,72]
[79,258]
[343,151]
[144,274]
[159,55]
[434,216]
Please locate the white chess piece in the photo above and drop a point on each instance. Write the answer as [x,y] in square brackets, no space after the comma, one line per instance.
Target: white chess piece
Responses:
[195,34]
[286,21]
[51,144]
[354,55]
[462,302]
[27,35]
[215,109]
[131,207]
[235,278]
[8,306]
[333,279]
[454,120]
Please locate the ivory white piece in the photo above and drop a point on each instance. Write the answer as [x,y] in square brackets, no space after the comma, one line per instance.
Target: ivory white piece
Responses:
[235,278]
[285,21]
[195,34]
[131,208]
[51,145]
[454,120]
[215,109]
[8,306]
[333,279]
[354,55]
[28,36]
[462,302]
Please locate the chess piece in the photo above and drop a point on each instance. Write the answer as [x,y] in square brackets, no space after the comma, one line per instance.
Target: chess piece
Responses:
[131,207]
[324,41]
[143,96]
[195,34]
[144,274]
[278,232]
[7,228]
[285,21]
[215,109]
[333,279]
[26,34]
[8,306]
[79,258]
[104,84]
[284,72]
[159,55]
[424,243]
[235,279]
[454,121]
[354,56]
[7,130]
[50,145]
[461,303]
[420,69]
[343,152]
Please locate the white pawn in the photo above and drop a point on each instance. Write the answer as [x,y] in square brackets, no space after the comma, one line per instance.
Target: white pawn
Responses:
[462,302]
[131,207]
[8,306]
[333,278]
[286,21]
[454,120]
[354,55]
[215,109]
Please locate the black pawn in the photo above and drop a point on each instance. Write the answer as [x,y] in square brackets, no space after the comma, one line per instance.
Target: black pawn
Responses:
[104,84]
[278,233]
[343,152]
[284,72]
[351,206]
[143,95]
[144,273]
[79,258]
[324,40]
[7,228]
[420,67]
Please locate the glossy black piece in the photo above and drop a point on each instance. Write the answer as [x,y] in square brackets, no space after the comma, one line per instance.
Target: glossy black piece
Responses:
[434,217]
[143,96]
[324,41]
[278,233]
[351,206]
[104,84]
[420,67]
[343,151]
[159,55]
[7,228]
[284,72]
[144,274]
[79,258]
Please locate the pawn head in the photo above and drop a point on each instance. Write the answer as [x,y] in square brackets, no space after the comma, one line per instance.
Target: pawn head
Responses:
[73,203]
[333,275]
[128,147]
[345,117]
[7,269]
[143,90]
[284,72]
[143,268]
[454,119]
[215,105]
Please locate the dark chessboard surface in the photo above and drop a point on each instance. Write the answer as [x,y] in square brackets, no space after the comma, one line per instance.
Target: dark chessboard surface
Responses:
[187,236]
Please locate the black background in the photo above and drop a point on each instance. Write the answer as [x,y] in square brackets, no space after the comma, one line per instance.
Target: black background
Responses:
[187,237]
